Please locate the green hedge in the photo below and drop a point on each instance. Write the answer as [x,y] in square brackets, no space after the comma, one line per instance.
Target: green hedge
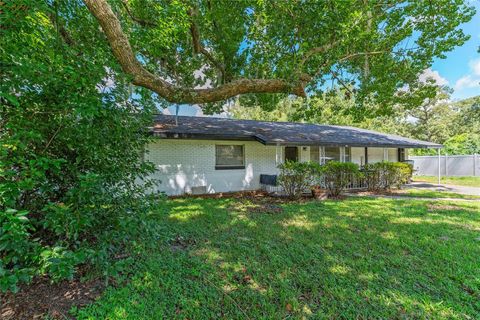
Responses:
[386,175]
[338,175]
[296,177]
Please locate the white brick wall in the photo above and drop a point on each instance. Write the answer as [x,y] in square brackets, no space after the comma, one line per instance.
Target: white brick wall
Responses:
[183,164]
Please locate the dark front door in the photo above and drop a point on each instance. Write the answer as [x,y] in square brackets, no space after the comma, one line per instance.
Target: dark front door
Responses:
[291,154]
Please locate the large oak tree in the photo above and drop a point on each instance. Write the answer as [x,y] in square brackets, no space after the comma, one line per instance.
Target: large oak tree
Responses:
[207,51]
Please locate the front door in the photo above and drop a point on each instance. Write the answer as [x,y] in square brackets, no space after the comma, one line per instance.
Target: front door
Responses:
[291,154]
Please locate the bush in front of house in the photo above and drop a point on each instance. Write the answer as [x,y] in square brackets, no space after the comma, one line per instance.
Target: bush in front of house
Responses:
[372,177]
[296,177]
[385,175]
[337,176]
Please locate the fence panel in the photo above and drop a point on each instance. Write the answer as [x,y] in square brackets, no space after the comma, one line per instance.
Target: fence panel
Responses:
[465,165]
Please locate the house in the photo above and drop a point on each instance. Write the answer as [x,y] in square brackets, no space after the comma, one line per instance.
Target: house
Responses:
[208,155]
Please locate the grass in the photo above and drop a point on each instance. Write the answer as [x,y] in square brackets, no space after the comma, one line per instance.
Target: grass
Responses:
[437,194]
[359,258]
[459,181]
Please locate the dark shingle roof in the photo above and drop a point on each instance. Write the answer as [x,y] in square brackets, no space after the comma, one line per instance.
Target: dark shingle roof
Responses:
[283,133]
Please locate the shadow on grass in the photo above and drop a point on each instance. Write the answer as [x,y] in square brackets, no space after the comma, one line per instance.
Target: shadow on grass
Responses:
[359,258]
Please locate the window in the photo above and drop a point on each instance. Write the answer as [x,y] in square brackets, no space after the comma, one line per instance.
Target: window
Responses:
[229,157]
[332,154]
[291,154]
[401,155]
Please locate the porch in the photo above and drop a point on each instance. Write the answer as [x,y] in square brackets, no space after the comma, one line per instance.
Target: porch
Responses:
[324,154]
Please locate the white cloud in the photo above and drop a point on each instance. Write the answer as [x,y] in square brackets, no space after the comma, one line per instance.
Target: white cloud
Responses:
[467,81]
[199,112]
[431,74]
[471,80]
[475,66]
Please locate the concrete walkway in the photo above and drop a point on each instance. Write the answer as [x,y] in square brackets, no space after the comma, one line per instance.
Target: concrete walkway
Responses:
[474,191]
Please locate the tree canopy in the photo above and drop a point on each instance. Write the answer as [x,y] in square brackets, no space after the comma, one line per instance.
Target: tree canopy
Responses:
[207,51]
[455,124]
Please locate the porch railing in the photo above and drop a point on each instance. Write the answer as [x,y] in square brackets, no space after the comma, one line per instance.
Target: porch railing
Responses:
[355,183]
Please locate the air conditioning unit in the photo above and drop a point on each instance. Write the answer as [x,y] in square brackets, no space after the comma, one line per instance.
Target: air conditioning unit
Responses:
[198,190]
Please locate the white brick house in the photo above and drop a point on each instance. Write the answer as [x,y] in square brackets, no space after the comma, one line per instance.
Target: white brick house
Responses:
[222,155]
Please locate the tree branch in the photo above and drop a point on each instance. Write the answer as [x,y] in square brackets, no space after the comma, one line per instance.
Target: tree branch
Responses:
[317,50]
[122,50]
[199,48]
[344,85]
[141,22]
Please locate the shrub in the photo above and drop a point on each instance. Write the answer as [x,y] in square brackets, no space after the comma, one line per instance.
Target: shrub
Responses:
[405,172]
[17,251]
[338,175]
[385,175]
[296,177]
[69,151]
[372,177]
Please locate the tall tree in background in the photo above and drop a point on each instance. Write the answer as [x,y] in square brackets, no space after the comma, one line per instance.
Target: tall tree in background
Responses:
[470,114]
[176,48]
[431,120]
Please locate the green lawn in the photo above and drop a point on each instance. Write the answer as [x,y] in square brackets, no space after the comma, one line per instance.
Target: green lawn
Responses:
[358,258]
[459,181]
[436,194]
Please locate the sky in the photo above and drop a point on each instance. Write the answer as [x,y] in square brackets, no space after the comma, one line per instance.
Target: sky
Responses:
[460,70]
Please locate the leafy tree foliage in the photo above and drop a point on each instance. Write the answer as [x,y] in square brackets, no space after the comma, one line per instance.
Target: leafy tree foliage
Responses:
[429,120]
[436,118]
[71,130]
[277,47]
[464,143]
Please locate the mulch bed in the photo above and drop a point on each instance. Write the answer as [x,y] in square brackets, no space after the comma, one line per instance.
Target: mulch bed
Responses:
[250,195]
[41,298]
[221,195]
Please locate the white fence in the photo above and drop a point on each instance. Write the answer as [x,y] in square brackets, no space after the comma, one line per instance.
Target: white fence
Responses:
[468,165]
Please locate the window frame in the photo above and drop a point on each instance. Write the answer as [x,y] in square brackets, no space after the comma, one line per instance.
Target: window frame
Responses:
[327,159]
[229,167]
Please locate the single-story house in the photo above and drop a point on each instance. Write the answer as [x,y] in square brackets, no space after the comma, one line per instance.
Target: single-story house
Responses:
[208,155]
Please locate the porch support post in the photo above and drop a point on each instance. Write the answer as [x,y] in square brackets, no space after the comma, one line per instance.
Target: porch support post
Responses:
[439,168]
[342,154]
[385,154]
[278,154]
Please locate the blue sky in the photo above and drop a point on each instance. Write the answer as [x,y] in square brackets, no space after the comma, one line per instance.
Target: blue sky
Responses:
[460,70]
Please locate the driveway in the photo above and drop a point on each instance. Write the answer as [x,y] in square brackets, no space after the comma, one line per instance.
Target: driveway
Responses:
[475,191]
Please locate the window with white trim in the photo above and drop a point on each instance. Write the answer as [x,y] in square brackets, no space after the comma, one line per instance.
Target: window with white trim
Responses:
[229,157]
[332,154]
